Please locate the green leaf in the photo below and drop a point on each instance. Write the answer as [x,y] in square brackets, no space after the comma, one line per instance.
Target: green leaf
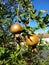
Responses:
[2,51]
[39,14]
[48,31]
[17,52]
[32,15]
[12,56]
[1,33]
[22,14]
[40,19]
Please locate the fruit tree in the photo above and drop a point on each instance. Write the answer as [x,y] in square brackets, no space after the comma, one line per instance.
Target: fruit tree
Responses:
[19,45]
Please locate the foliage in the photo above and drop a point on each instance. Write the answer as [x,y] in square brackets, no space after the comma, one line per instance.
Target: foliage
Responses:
[13,53]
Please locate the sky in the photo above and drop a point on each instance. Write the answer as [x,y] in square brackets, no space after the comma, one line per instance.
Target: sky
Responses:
[39,5]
